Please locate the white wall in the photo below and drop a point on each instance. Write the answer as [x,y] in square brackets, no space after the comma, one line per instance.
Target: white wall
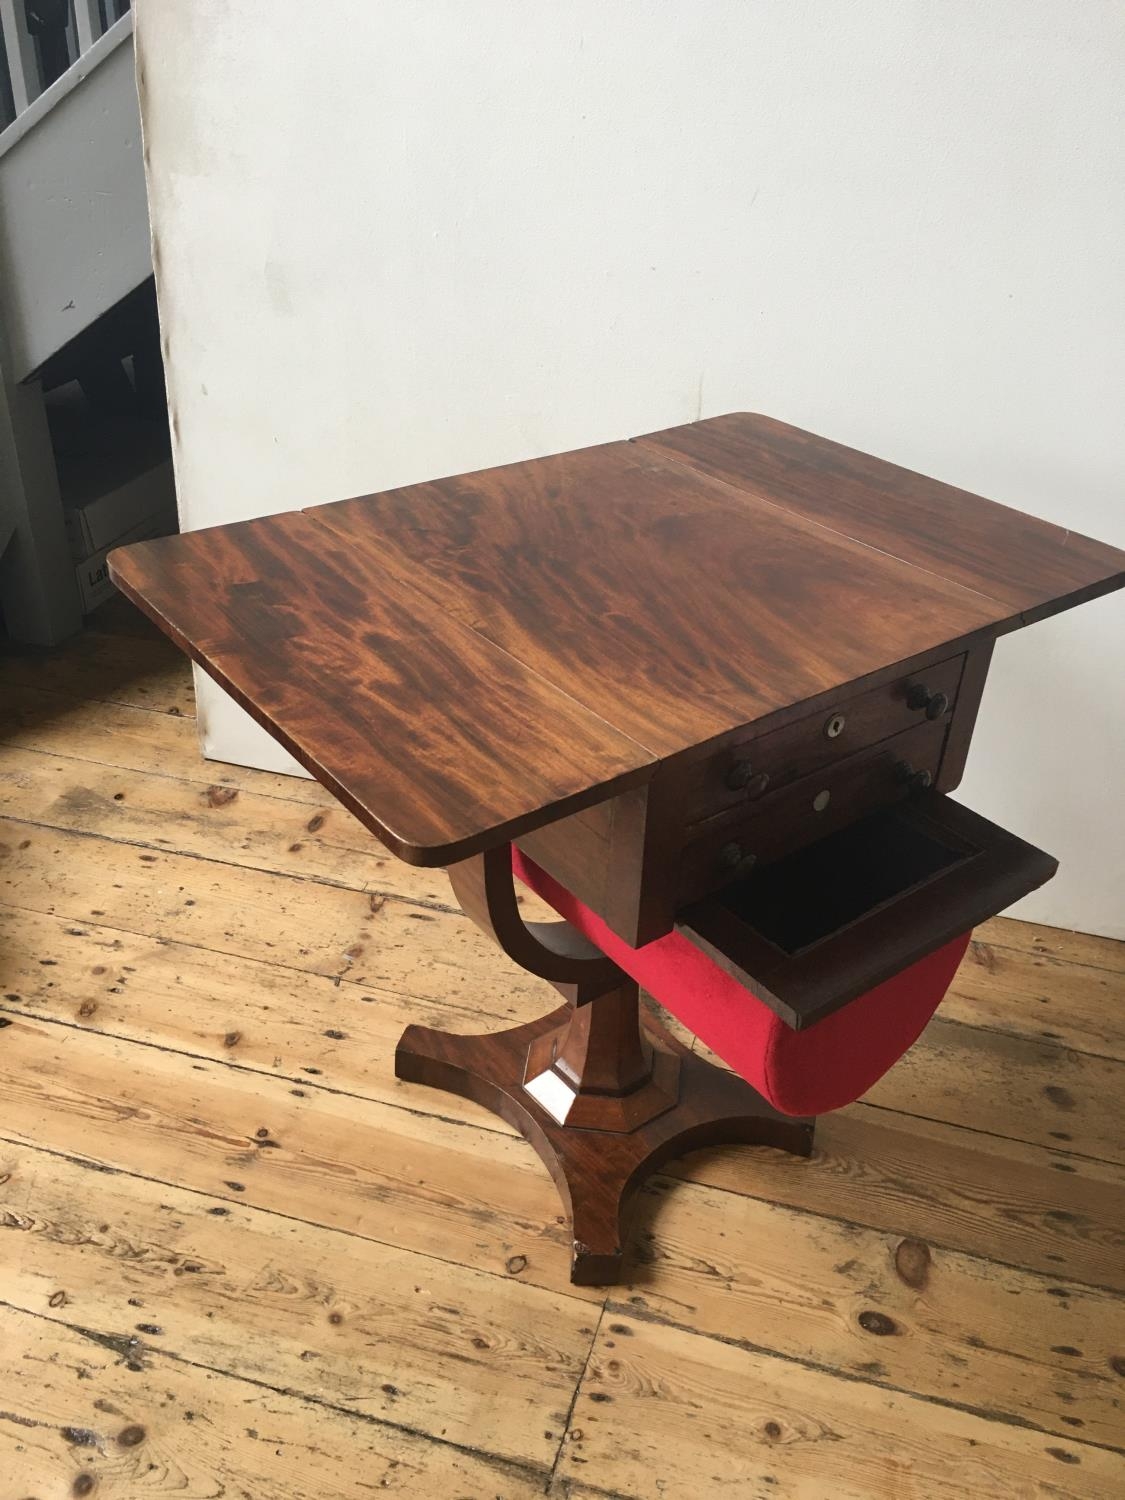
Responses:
[416,239]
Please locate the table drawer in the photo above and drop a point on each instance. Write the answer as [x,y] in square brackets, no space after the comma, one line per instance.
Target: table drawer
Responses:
[827,923]
[806,810]
[752,766]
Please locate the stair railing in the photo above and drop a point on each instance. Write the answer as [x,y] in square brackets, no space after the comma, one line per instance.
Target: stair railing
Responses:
[40,40]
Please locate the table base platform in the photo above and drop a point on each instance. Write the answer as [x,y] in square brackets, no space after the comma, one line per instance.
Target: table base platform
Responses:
[598,1171]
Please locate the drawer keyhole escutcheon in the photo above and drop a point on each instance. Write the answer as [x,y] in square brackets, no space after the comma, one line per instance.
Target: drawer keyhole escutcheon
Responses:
[919,697]
[821,800]
[834,727]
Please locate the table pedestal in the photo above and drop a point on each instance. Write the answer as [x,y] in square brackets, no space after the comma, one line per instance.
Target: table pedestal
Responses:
[680,1103]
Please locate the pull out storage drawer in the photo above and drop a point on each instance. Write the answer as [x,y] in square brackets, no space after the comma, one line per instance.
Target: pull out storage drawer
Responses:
[807,810]
[828,922]
[752,766]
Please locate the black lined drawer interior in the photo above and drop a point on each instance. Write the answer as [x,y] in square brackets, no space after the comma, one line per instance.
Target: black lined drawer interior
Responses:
[819,926]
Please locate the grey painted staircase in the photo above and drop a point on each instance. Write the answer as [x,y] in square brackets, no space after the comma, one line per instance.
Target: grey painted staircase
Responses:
[74,245]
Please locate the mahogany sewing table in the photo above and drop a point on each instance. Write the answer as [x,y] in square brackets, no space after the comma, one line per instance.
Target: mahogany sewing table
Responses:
[716,682]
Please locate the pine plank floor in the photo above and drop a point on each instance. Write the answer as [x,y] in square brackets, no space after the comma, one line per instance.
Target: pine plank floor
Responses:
[239,1259]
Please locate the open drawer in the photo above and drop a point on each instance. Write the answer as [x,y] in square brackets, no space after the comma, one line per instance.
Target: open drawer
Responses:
[828,922]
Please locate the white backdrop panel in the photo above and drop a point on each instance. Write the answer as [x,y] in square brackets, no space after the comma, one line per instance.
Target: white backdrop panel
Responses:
[398,240]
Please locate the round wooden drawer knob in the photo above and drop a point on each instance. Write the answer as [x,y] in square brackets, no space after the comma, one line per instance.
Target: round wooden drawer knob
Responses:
[743,778]
[734,857]
[935,704]
[917,781]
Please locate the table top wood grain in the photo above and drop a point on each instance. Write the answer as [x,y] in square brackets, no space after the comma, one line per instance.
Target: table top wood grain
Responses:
[464,660]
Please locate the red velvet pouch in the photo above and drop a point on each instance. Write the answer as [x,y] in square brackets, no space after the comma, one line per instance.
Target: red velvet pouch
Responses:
[804,1072]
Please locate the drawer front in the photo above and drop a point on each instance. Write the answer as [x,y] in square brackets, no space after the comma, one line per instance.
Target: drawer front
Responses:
[828,924]
[757,766]
[806,810]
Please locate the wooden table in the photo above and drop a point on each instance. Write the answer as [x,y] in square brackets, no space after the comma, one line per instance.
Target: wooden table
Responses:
[662,666]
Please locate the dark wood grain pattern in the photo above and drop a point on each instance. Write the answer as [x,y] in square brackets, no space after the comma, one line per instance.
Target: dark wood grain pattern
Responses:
[470,659]
[1030,567]
[422,728]
[672,606]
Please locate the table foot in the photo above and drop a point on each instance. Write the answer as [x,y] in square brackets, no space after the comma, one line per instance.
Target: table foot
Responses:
[598,1171]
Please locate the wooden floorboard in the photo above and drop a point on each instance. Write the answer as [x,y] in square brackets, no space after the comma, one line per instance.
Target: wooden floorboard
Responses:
[78,1419]
[238,1257]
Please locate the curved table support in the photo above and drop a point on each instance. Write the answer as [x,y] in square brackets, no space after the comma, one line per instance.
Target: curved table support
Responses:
[485,887]
[605,1095]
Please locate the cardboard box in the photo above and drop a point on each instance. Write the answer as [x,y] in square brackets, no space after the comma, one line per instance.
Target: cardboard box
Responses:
[92,573]
[97,521]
